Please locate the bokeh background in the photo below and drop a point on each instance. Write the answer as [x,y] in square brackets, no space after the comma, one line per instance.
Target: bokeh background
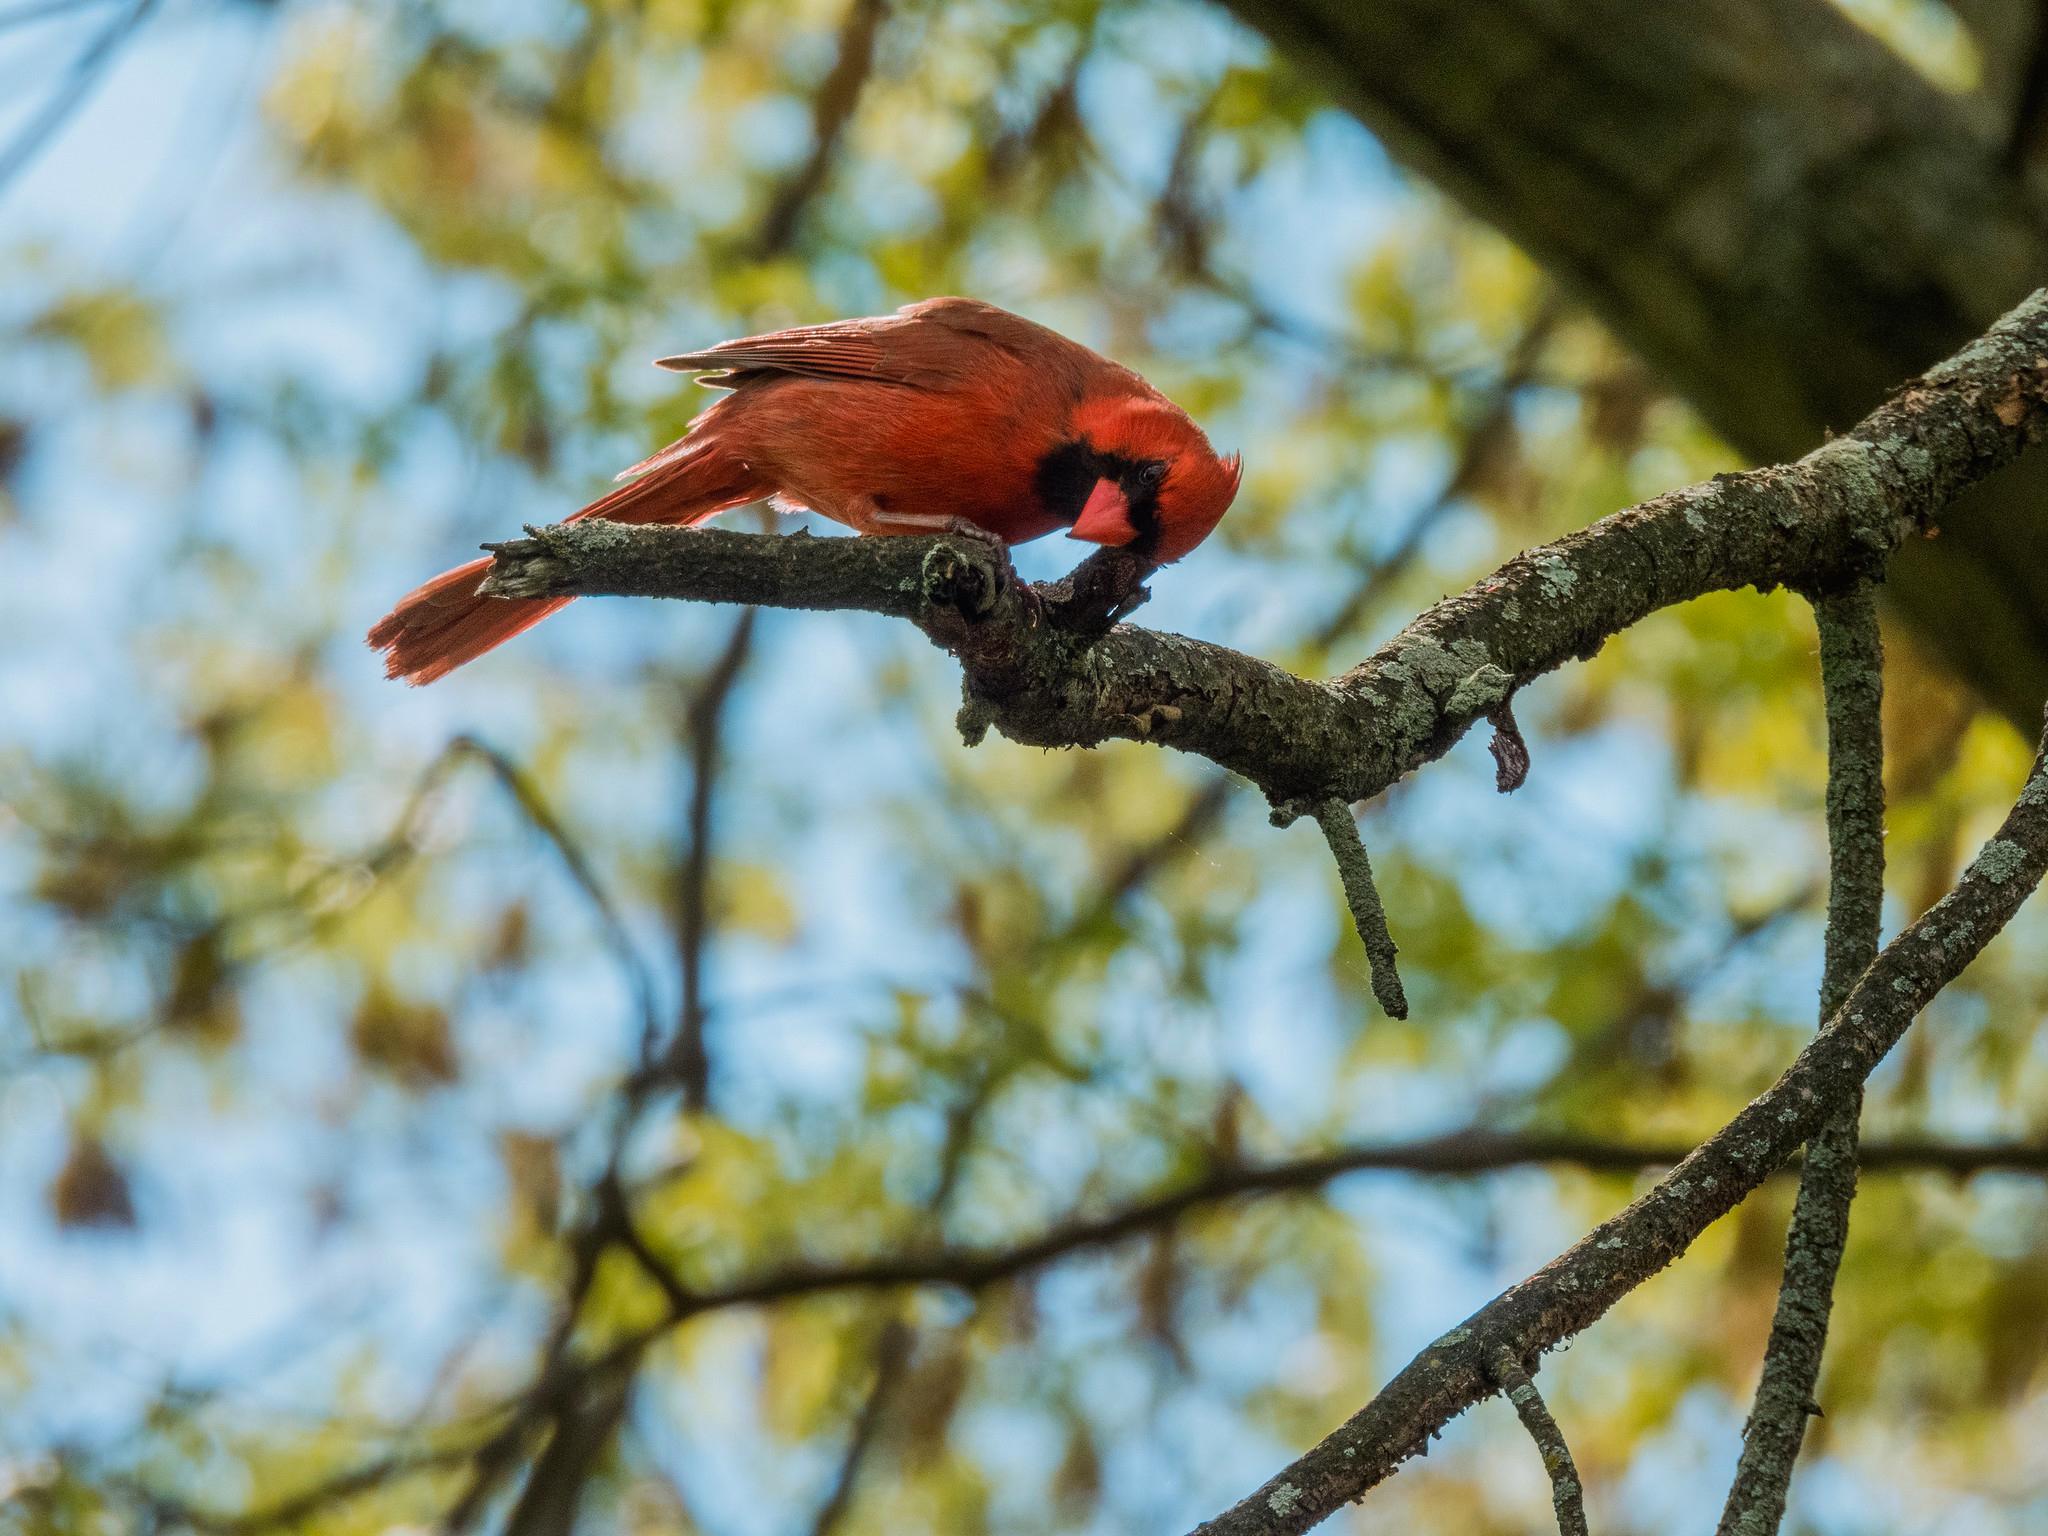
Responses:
[320,992]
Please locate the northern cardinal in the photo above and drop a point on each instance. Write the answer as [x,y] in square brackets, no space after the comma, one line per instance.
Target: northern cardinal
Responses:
[947,413]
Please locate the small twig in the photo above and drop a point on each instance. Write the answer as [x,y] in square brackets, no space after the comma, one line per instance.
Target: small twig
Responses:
[538,812]
[76,89]
[892,1355]
[44,10]
[1852,683]
[1567,1497]
[1509,748]
[1091,598]
[584,1426]
[832,109]
[1347,847]
[687,1060]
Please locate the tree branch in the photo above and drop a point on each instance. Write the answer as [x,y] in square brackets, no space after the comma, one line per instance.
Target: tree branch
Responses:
[534,806]
[1852,679]
[1567,1495]
[1368,913]
[1574,1290]
[584,1426]
[1460,1153]
[687,1060]
[1832,515]
[1456,1155]
[892,1355]
[832,109]
[71,94]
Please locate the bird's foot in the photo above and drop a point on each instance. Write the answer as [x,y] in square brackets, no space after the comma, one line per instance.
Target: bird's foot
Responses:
[929,522]
[966,530]
[968,580]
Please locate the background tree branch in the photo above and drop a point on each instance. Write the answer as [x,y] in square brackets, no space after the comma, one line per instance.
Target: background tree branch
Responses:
[1777,211]
[567,1382]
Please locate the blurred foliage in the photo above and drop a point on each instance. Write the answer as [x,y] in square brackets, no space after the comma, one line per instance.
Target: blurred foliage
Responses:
[314,1043]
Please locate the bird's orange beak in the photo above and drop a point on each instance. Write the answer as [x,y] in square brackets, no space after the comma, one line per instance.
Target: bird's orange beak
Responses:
[1105,517]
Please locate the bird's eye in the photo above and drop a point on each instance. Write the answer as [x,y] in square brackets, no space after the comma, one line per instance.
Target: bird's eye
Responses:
[1152,473]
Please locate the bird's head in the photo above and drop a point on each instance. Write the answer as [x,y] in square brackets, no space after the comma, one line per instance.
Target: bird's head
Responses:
[1138,474]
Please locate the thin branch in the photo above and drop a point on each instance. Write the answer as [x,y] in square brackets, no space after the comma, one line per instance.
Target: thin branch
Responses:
[1576,1289]
[1368,915]
[832,109]
[1852,679]
[580,1404]
[44,10]
[527,796]
[576,1407]
[71,93]
[325,898]
[579,1414]
[584,1425]
[687,1060]
[1458,1154]
[552,1394]
[1831,516]
[892,1355]
[1567,1496]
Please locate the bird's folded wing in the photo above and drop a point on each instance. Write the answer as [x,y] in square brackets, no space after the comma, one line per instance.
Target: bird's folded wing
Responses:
[930,345]
[818,351]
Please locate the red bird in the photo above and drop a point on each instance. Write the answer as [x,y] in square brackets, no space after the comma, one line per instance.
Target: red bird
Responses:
[947,412]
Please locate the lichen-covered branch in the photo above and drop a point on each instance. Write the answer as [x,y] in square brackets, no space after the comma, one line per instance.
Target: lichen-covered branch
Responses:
[1368,914]
[1833,515]
[1852,681]
[1567,1494]
[1574,1290]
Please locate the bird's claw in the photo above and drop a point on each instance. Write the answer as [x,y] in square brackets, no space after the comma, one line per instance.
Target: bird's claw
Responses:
[965,529]
[953,578]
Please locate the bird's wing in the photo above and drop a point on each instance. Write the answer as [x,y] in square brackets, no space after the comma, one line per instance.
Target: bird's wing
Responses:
[844,350]
[930,345]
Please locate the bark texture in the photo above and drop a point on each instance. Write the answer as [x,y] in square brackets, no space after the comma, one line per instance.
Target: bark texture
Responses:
[1782,216]
[1852,680]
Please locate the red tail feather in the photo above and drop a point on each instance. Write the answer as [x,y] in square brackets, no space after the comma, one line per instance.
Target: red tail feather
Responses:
[438,627]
